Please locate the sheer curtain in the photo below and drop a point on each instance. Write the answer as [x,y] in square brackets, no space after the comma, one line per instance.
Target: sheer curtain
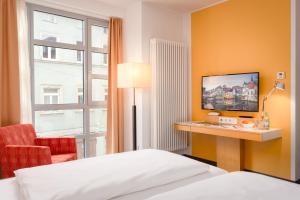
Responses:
[9,66]
[24,63]
[115,132]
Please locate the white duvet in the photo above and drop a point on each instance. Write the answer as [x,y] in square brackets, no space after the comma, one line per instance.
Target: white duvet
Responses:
[235,186]
[105,177]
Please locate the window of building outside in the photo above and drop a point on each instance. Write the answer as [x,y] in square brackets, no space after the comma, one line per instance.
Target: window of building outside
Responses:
[69,77]
[51,95]
[49,52]
[80,95]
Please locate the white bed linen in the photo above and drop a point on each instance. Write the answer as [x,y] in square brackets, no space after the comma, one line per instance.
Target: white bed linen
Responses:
[105,177]
[9,187]
[235,186]
[212,172]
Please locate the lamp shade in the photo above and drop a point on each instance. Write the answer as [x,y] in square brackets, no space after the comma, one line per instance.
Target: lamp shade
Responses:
[134,75]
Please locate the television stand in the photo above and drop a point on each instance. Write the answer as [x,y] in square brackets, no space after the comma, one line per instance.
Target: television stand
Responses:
[230,140]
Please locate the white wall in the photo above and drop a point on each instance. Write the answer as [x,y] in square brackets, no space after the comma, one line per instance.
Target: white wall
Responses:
[157,22]
[143,21]
[295,87]
[160,22]
[133,32]
[87,7]
[133,53]
[296,97]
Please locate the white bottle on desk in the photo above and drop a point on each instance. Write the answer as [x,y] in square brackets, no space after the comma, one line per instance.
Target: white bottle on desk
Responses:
[266,121]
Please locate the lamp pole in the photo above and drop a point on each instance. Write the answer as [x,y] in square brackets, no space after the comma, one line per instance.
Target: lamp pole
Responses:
[134,122]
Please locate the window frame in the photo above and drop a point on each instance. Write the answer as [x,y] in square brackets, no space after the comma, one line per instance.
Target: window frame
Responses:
[87,49]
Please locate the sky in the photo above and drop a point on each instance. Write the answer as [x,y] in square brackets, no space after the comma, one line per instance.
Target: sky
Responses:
[212,82]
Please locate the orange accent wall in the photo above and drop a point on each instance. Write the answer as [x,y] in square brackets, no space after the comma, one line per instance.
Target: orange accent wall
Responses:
[246,36]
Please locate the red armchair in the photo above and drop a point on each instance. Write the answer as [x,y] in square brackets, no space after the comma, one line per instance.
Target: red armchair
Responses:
[20,148]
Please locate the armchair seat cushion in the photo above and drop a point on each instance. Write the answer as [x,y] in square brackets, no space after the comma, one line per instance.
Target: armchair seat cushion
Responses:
[63,157]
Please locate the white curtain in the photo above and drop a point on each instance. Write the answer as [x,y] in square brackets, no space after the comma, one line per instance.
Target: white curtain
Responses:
[24,63]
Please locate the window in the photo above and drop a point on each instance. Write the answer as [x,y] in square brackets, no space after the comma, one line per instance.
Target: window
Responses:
[49,52]
[105,93]
[80,95]
[79,57]
[79,53]
[69,57]
[51,95]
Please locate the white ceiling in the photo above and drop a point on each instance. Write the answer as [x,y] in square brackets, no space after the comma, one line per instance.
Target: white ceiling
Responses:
[179,5]
[118,3]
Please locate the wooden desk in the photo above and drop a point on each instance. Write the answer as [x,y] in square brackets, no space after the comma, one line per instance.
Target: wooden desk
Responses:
[230,140]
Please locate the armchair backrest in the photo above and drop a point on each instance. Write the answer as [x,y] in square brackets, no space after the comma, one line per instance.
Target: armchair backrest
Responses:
[21,134]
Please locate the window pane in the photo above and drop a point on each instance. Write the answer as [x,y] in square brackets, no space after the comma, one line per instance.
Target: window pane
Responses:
[79,56]
[98,120]
[55,123]
[99,37]
[54,99]
[99,90]
[45,52]
[61,77]
[47,99]
[57,28]
[53,53]
[99,64]
[96,146]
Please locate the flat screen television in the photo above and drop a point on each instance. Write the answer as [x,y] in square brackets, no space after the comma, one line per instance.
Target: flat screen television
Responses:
[231,92]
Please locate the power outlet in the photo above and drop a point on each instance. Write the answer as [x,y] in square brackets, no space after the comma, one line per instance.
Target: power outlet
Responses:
[228,120]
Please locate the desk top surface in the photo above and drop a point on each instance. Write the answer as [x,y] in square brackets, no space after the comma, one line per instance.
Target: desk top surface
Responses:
[232,131]
[228,127]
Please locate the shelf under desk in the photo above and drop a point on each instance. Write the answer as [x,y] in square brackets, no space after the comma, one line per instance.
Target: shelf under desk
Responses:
[230,140]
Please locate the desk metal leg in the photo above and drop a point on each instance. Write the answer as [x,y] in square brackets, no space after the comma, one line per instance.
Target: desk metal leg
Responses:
[229,153]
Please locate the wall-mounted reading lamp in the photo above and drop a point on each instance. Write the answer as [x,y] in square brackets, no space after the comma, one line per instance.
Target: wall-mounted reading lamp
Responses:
[265,123]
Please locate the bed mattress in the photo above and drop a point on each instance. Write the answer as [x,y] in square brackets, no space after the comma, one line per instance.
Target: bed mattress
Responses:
[9,187]
[235,186]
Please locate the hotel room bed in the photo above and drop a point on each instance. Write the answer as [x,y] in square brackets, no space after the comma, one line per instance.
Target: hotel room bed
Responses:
[132,175]
[235,186]
[9,187]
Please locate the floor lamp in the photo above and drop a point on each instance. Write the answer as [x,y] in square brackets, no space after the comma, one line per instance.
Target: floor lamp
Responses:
[134,75]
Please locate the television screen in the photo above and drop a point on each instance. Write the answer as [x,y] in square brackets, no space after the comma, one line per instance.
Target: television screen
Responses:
[232,92]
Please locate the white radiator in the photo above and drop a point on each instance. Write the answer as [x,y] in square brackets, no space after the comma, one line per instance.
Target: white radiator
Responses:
[169,94]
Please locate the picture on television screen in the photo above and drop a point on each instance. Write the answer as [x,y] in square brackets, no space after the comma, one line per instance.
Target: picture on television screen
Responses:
[233,92]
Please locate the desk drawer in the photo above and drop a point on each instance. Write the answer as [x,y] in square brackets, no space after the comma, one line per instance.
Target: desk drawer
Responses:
[182,127]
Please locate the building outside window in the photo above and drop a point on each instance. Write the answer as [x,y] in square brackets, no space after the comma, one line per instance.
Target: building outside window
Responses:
[69,77]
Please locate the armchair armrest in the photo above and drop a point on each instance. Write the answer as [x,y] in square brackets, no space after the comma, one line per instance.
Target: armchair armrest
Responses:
[61,145]
[20,156]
